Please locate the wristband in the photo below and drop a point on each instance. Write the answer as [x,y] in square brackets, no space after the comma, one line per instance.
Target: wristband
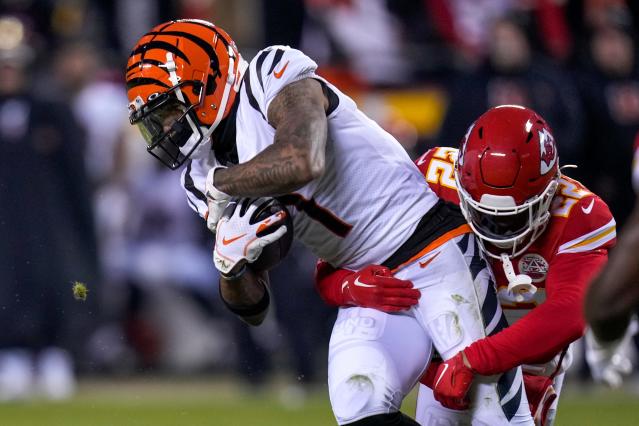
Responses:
[236,276]
[249,310]
[211,191]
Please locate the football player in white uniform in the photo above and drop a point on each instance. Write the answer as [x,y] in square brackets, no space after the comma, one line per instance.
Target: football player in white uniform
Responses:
[275,128]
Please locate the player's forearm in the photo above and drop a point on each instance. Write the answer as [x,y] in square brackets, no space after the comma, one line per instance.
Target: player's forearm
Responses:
[247,296]
[297,155]
[614,294]
[279,169]
[535,339]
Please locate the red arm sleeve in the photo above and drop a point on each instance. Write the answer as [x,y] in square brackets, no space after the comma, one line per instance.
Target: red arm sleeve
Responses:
[328,283]
[547,329]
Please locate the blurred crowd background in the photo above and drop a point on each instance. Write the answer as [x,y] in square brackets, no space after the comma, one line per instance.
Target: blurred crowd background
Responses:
[81,200]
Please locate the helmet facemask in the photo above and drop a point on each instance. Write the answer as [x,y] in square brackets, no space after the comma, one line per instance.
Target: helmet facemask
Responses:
[169,126]
[507,227]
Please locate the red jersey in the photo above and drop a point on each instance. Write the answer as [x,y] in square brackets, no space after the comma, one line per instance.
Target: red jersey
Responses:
[561,263]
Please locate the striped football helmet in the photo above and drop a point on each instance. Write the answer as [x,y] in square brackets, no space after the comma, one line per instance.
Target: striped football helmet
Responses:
[182,79]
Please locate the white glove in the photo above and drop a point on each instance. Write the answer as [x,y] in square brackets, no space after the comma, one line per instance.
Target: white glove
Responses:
[216,200]
[609,362]
[239,239]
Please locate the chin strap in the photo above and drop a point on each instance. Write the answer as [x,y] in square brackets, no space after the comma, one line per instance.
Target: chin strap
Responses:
[518,285]
[237,66]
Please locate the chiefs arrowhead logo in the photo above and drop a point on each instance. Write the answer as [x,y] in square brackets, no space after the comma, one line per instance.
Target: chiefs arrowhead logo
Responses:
[535,266]
[547,151]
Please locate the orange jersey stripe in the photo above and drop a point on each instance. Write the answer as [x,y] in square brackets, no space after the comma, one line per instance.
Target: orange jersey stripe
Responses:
[460,230]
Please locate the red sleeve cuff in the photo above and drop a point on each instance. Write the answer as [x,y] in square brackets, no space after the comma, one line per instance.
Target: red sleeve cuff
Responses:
[328,283]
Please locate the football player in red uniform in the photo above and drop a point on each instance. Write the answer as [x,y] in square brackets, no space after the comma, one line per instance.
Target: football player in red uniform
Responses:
[614,295]
[544,235]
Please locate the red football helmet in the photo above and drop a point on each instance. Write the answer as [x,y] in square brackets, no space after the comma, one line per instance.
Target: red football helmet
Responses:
[507,173]
[182,79]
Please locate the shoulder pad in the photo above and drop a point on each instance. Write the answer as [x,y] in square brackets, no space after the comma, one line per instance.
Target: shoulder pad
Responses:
[271,70]
[589,226]
[438,167]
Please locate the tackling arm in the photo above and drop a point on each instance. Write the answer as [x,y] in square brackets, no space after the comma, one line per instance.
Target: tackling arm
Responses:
[372,287]
[614,294]
[550,327]
[297,155]
[535,338]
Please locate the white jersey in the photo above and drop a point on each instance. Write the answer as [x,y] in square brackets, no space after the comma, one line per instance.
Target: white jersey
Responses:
[371,196]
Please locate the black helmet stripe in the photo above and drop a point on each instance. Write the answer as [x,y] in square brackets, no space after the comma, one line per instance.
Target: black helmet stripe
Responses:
[141,81]
[204,45]
[160,45]
[202,24]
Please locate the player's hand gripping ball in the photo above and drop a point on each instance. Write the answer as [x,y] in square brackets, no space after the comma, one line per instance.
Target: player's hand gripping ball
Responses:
[257,231]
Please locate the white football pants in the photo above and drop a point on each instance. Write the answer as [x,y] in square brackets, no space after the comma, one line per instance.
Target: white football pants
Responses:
[375,358]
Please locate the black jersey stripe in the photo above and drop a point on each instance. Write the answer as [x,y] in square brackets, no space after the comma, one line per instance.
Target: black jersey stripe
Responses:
[503,323]
[249,93]
[276,59]
[333,99]
[490,304]
[153,44]
[318,213]
[258,66]
[141,81]
[192,204]
[477,263]
[504,385]
[190,186]
[463,243]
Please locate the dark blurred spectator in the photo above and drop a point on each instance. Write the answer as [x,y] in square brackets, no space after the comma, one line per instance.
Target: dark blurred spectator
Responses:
[514,74]
[283,22]
[46,224]
[610,90]
[362,35]
[463,23]
[95,91]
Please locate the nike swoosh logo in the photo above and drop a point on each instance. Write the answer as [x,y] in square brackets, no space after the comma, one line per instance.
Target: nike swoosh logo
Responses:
[427,261]
[344,284]
[278,74]
[267,222]
[230,240]
[441,375]
[358,283]
[588,209]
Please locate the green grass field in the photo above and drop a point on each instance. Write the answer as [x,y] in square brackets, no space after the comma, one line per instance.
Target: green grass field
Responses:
[225,403]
